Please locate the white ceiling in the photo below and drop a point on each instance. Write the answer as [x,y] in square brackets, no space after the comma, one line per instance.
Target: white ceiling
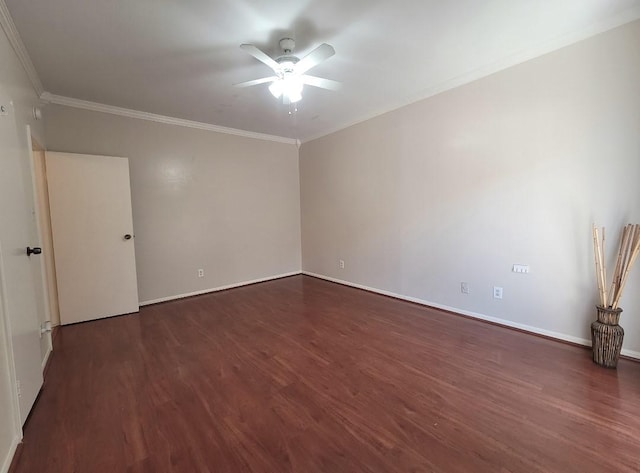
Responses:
[180,58]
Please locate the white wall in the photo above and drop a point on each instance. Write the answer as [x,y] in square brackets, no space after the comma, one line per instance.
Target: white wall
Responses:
[15,83]
[9,434]
[513,168]
[227,204]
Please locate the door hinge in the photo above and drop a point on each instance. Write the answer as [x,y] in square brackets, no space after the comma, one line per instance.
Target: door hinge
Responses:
[45,327]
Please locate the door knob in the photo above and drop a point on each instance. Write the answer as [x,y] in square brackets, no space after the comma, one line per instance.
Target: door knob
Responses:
[33,251]
[127,237]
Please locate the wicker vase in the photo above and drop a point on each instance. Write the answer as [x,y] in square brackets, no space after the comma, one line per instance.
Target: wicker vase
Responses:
[606,337]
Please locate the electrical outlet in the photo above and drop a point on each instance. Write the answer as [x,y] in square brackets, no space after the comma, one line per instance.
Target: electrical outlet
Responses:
[201,273]
[520,268]
[341,262]
[464,287]
[497,292]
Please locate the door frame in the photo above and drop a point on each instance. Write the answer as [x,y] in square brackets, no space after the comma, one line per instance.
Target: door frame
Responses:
[33,145]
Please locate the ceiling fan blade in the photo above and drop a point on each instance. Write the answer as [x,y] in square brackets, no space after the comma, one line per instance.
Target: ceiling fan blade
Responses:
[315,57]
[322,83]
[260,56]
[249,83]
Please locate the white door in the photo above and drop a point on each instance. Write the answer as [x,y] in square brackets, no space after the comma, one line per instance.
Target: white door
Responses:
[17,270]
[92,227]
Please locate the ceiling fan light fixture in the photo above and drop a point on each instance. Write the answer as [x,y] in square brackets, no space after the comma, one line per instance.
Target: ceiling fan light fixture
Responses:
[293,88]
[295,96]
[290,86]
[276,88]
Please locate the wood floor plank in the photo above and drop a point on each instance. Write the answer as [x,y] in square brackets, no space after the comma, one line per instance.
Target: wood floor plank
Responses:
[301,375]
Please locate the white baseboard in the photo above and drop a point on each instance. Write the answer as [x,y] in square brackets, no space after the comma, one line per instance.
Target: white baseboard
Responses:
[46,357]
[6,464]
[219,288]
[630,353]
[475,315]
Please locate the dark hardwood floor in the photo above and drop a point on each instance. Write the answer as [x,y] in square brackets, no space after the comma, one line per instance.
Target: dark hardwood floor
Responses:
[303,375]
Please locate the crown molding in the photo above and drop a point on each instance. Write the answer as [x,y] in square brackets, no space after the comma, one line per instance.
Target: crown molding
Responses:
[13,36]
[627,16]
[126,112]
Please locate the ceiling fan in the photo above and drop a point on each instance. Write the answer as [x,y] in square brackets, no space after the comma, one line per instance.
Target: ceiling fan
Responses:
[290,77]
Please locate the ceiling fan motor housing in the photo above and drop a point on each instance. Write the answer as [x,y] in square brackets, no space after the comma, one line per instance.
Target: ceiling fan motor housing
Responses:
[287,63]
[287,45]
[287,60]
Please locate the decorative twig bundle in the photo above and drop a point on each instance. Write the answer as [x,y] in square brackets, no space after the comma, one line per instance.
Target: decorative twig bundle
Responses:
[627,255]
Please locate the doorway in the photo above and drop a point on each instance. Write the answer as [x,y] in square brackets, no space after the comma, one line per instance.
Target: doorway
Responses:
[50,310]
